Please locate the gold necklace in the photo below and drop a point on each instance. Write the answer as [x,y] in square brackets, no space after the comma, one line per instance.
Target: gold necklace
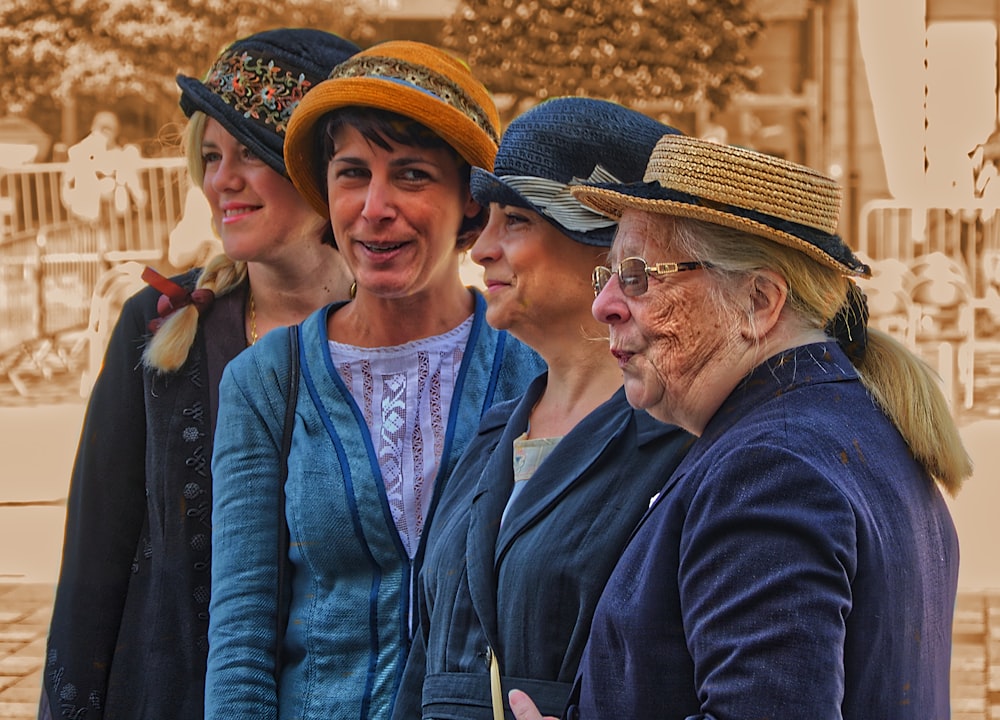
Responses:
[253,320]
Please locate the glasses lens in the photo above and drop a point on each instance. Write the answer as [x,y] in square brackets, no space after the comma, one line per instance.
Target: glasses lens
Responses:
[601,276]
[632,274]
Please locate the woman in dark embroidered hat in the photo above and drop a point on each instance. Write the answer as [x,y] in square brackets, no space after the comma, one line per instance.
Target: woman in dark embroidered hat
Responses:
[129,633]
[550,488]
[392,387]
[801,561]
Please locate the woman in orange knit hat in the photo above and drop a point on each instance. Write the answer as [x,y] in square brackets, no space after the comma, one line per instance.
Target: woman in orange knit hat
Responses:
[390,388]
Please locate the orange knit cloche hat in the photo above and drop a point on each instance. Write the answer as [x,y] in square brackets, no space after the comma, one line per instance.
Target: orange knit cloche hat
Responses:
[410,78]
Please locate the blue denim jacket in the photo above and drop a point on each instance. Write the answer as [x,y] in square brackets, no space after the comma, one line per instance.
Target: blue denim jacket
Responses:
[349,625]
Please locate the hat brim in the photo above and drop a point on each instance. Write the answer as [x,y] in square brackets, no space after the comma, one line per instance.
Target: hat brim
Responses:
[305,166]
[195,96]
[489,188]
[613,200]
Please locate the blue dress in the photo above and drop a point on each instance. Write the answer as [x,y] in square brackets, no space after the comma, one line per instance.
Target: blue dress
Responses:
[350,616]
[799,564]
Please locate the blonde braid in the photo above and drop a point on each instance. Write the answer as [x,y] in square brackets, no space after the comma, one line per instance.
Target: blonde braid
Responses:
[168,350]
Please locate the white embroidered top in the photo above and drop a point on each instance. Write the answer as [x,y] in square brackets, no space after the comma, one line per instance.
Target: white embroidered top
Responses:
[404,393]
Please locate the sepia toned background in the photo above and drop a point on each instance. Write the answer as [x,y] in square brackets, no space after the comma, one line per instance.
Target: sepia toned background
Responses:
[897,99]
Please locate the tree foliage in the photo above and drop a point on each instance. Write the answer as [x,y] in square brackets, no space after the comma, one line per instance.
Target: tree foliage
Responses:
[111,48]
[677,53]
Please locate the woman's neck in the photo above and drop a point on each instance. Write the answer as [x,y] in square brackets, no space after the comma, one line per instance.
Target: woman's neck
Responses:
[281,297]
[582,375]
[373,321]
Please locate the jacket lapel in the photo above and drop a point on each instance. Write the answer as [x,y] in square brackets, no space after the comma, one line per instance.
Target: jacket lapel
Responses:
[569,460]
[493,488]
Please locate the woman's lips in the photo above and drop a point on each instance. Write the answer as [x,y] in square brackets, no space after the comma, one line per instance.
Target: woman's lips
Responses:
[623,356]
[234,213]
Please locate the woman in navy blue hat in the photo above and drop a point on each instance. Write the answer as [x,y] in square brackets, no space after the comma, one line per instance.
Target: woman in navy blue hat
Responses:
[536,513]
[129,629]
[801,562]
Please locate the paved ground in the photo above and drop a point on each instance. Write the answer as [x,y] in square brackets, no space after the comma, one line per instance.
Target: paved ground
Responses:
[24,617]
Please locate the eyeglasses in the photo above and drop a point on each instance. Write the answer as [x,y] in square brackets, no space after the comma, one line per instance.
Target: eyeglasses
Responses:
[633,274]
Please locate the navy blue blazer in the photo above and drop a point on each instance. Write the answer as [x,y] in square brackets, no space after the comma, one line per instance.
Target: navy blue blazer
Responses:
[799,564]
[528,589]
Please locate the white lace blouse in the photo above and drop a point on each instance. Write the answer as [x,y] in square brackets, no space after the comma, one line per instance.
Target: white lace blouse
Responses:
[404,393]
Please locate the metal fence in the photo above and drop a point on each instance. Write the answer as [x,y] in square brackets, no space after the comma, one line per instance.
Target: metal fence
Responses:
[52,260]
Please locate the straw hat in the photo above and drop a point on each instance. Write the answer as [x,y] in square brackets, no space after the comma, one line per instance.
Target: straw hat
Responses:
[257,81]
[561,141]
[412,79]
[737,188]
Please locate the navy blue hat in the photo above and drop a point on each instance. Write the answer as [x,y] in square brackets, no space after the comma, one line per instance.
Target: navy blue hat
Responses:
[564,140]
[257,81]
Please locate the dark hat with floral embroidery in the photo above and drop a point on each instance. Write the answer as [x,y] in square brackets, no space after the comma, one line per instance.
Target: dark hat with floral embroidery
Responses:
[257,81]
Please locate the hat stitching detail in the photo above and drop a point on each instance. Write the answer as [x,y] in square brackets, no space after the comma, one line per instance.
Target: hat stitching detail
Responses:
[420,78]
[825,247]
[766,184]
[257,88]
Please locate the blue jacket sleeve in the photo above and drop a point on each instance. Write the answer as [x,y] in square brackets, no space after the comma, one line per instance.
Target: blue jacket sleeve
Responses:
[240,677]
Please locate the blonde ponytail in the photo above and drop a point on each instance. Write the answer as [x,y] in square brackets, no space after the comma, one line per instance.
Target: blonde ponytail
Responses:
[909,392]
[902,384]
[168,349]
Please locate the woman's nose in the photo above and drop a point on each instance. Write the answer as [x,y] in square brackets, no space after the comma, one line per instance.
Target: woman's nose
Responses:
[486,248]
[227,175]
[610,306]
[379,201]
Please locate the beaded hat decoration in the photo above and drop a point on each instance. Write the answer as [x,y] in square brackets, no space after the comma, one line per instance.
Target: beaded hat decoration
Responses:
[738,188]
[256,82]
[566,140]
[412,79]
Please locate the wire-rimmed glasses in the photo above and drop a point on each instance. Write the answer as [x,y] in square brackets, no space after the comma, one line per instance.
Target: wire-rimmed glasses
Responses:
[633,274]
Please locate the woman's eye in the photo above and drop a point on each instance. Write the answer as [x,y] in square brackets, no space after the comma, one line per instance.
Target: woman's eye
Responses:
[250,157]
[414,175]
[350,173]
[515,219]
[210,157]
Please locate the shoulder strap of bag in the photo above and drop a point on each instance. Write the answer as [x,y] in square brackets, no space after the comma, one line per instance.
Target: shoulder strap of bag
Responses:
[283,537]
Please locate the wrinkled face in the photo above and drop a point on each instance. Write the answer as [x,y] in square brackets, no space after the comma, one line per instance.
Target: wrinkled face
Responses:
[536,278]
[396,213]
[256,211]
[671,340]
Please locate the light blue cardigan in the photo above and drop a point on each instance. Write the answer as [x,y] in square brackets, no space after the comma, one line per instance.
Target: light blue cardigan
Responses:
[348,630]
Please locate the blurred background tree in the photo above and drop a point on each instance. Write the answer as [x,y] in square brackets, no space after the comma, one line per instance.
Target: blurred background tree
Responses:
[671,55]
[55,52]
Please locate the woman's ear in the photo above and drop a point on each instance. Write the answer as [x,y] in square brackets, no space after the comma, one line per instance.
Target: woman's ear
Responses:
[472,208]
[768,293]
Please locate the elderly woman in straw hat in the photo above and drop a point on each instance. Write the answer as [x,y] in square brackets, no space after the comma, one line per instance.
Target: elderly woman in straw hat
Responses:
[130,623]
[392,385]
[801,562]
[554,482]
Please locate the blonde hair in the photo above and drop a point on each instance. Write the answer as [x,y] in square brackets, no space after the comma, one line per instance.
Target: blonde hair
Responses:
[168,349]
[901,383]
